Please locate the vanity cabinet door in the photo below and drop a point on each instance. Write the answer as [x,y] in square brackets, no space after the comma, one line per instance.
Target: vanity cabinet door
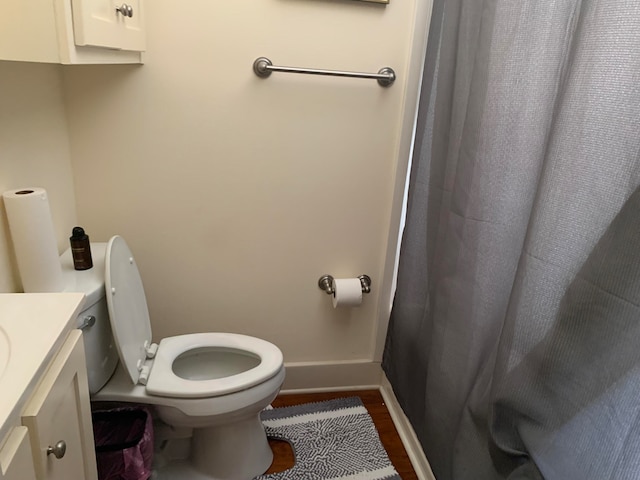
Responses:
[16,461]
[115,24]
[58,414]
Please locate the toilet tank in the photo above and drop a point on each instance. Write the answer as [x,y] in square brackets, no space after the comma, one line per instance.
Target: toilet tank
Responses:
[100,350]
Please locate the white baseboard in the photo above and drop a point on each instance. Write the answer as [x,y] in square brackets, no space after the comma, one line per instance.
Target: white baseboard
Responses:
[406,432]
[358,375]
[331,376]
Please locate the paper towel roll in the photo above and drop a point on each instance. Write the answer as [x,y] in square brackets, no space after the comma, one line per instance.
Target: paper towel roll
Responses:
[34,240]
[347,292]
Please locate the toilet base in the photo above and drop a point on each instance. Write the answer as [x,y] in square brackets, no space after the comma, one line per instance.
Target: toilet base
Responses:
[178,471]
[228,440]
[236,451]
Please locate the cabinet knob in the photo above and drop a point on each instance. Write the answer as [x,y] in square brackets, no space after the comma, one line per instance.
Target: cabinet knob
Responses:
[58,450]
[125,10]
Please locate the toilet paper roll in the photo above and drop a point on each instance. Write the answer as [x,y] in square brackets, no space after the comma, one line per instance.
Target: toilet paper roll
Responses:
[347,292]
[34,240]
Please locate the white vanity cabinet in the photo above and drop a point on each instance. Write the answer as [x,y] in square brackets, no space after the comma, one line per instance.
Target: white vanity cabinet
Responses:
[16,461]
[58,417]
[72,31]
[45,414]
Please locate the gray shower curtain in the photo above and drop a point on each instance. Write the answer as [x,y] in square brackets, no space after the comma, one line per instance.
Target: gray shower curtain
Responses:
[514,340]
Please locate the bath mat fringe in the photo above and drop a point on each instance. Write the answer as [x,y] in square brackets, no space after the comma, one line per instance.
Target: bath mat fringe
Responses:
[331,440]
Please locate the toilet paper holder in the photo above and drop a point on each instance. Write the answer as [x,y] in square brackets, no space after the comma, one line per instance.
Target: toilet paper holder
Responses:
[325,283]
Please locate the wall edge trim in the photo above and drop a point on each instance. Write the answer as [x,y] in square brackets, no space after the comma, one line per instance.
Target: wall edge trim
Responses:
[405,431]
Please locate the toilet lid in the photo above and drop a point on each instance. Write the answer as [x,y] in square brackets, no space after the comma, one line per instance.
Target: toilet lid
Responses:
[127,306]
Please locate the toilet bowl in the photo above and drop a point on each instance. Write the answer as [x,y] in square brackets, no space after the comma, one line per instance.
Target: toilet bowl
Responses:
[214,383]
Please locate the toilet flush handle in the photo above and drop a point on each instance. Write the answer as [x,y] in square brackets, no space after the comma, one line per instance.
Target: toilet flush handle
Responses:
[87,322]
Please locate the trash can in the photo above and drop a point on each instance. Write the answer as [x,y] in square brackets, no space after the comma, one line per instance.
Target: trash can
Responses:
[124,443]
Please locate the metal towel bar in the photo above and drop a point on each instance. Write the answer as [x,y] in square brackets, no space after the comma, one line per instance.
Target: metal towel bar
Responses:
[263,68]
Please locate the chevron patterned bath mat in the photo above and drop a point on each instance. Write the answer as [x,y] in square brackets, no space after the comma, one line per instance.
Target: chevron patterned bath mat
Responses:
[332,440]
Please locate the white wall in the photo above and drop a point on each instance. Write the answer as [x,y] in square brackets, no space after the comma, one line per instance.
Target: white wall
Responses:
[34,151]
[236,193]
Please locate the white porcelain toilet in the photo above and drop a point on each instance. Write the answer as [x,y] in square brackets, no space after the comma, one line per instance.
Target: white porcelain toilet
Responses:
[215,383]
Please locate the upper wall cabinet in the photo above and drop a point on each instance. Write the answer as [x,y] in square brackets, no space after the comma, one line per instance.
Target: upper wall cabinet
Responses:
[99,23]
[72,31]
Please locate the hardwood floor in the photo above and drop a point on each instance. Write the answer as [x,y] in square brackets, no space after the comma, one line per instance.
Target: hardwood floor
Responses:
[372,400]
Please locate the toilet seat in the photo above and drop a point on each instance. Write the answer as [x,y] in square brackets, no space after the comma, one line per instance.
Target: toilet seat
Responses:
[153,365]
[128,312]
[164,381]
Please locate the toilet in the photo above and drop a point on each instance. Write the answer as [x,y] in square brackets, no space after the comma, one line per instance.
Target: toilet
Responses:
[213,383]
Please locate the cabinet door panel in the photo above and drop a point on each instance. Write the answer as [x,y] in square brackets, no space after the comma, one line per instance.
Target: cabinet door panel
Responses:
[16,461]
[97,23]
[59,410]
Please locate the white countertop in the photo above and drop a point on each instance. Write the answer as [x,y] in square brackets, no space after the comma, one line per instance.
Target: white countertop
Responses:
[34,325]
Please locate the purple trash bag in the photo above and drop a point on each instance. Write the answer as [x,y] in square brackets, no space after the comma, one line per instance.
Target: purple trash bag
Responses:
[124,443]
